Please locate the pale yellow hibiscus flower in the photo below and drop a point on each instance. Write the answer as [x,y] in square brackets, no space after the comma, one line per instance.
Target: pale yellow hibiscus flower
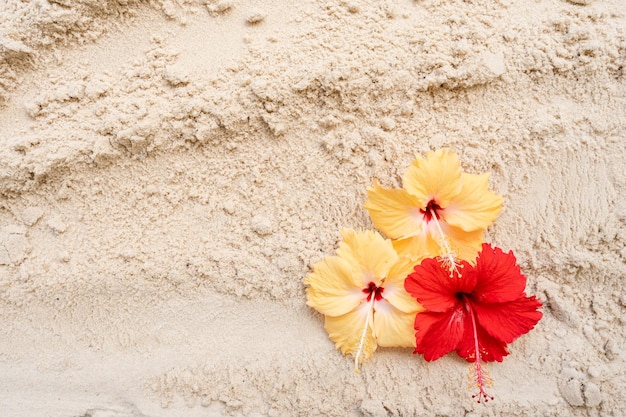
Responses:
[439,212]
[360,291]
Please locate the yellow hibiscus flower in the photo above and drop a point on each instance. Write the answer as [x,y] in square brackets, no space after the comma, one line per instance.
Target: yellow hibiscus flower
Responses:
[439,212]
[360,291]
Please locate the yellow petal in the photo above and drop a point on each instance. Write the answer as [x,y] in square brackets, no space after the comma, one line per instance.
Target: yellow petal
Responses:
[394,292]
[438,177]
[475,207]
[466,245]
[394,212]
[392,327]
[347,331]
[332,289]
[417,247]
[368,253]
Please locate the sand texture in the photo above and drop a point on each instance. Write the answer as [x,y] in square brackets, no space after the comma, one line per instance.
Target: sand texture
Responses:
[170,170]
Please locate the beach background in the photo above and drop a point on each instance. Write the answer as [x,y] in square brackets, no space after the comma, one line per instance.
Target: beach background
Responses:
[170,170]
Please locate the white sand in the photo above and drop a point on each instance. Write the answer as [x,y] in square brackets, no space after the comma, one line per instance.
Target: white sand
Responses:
[170,170]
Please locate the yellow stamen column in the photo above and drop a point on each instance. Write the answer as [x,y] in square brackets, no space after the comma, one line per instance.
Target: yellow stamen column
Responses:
[359,352]
[449,256]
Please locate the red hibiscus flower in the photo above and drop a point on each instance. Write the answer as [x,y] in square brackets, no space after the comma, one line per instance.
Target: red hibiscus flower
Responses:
[477,312]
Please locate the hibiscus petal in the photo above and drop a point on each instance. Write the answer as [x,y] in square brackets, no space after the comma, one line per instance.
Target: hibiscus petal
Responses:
[466,245]
[422,325]
[438,177]
[433,287]
[368,253]
[417,247]
[490,348]
[394,292]
[392,327]
[475,206]
[438,333]
[499,277]
[394,212]
[332,290]
[426,244]
[346,331]
[508,321]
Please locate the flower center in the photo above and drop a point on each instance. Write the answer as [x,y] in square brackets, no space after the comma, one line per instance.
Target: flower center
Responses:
[432,209]
[374,290]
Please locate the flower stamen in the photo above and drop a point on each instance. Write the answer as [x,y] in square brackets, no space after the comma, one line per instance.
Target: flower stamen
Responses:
[363,338]
[478,376]
[448,257]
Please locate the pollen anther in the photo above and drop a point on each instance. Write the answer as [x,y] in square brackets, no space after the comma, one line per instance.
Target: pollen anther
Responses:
[479,376]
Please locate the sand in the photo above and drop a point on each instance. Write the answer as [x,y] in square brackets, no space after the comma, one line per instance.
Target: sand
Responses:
[171,169]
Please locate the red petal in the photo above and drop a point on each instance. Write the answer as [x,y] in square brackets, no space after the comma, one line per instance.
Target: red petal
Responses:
[491,349]
[438,333]
[433,287]
[508,321]
[499,278]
